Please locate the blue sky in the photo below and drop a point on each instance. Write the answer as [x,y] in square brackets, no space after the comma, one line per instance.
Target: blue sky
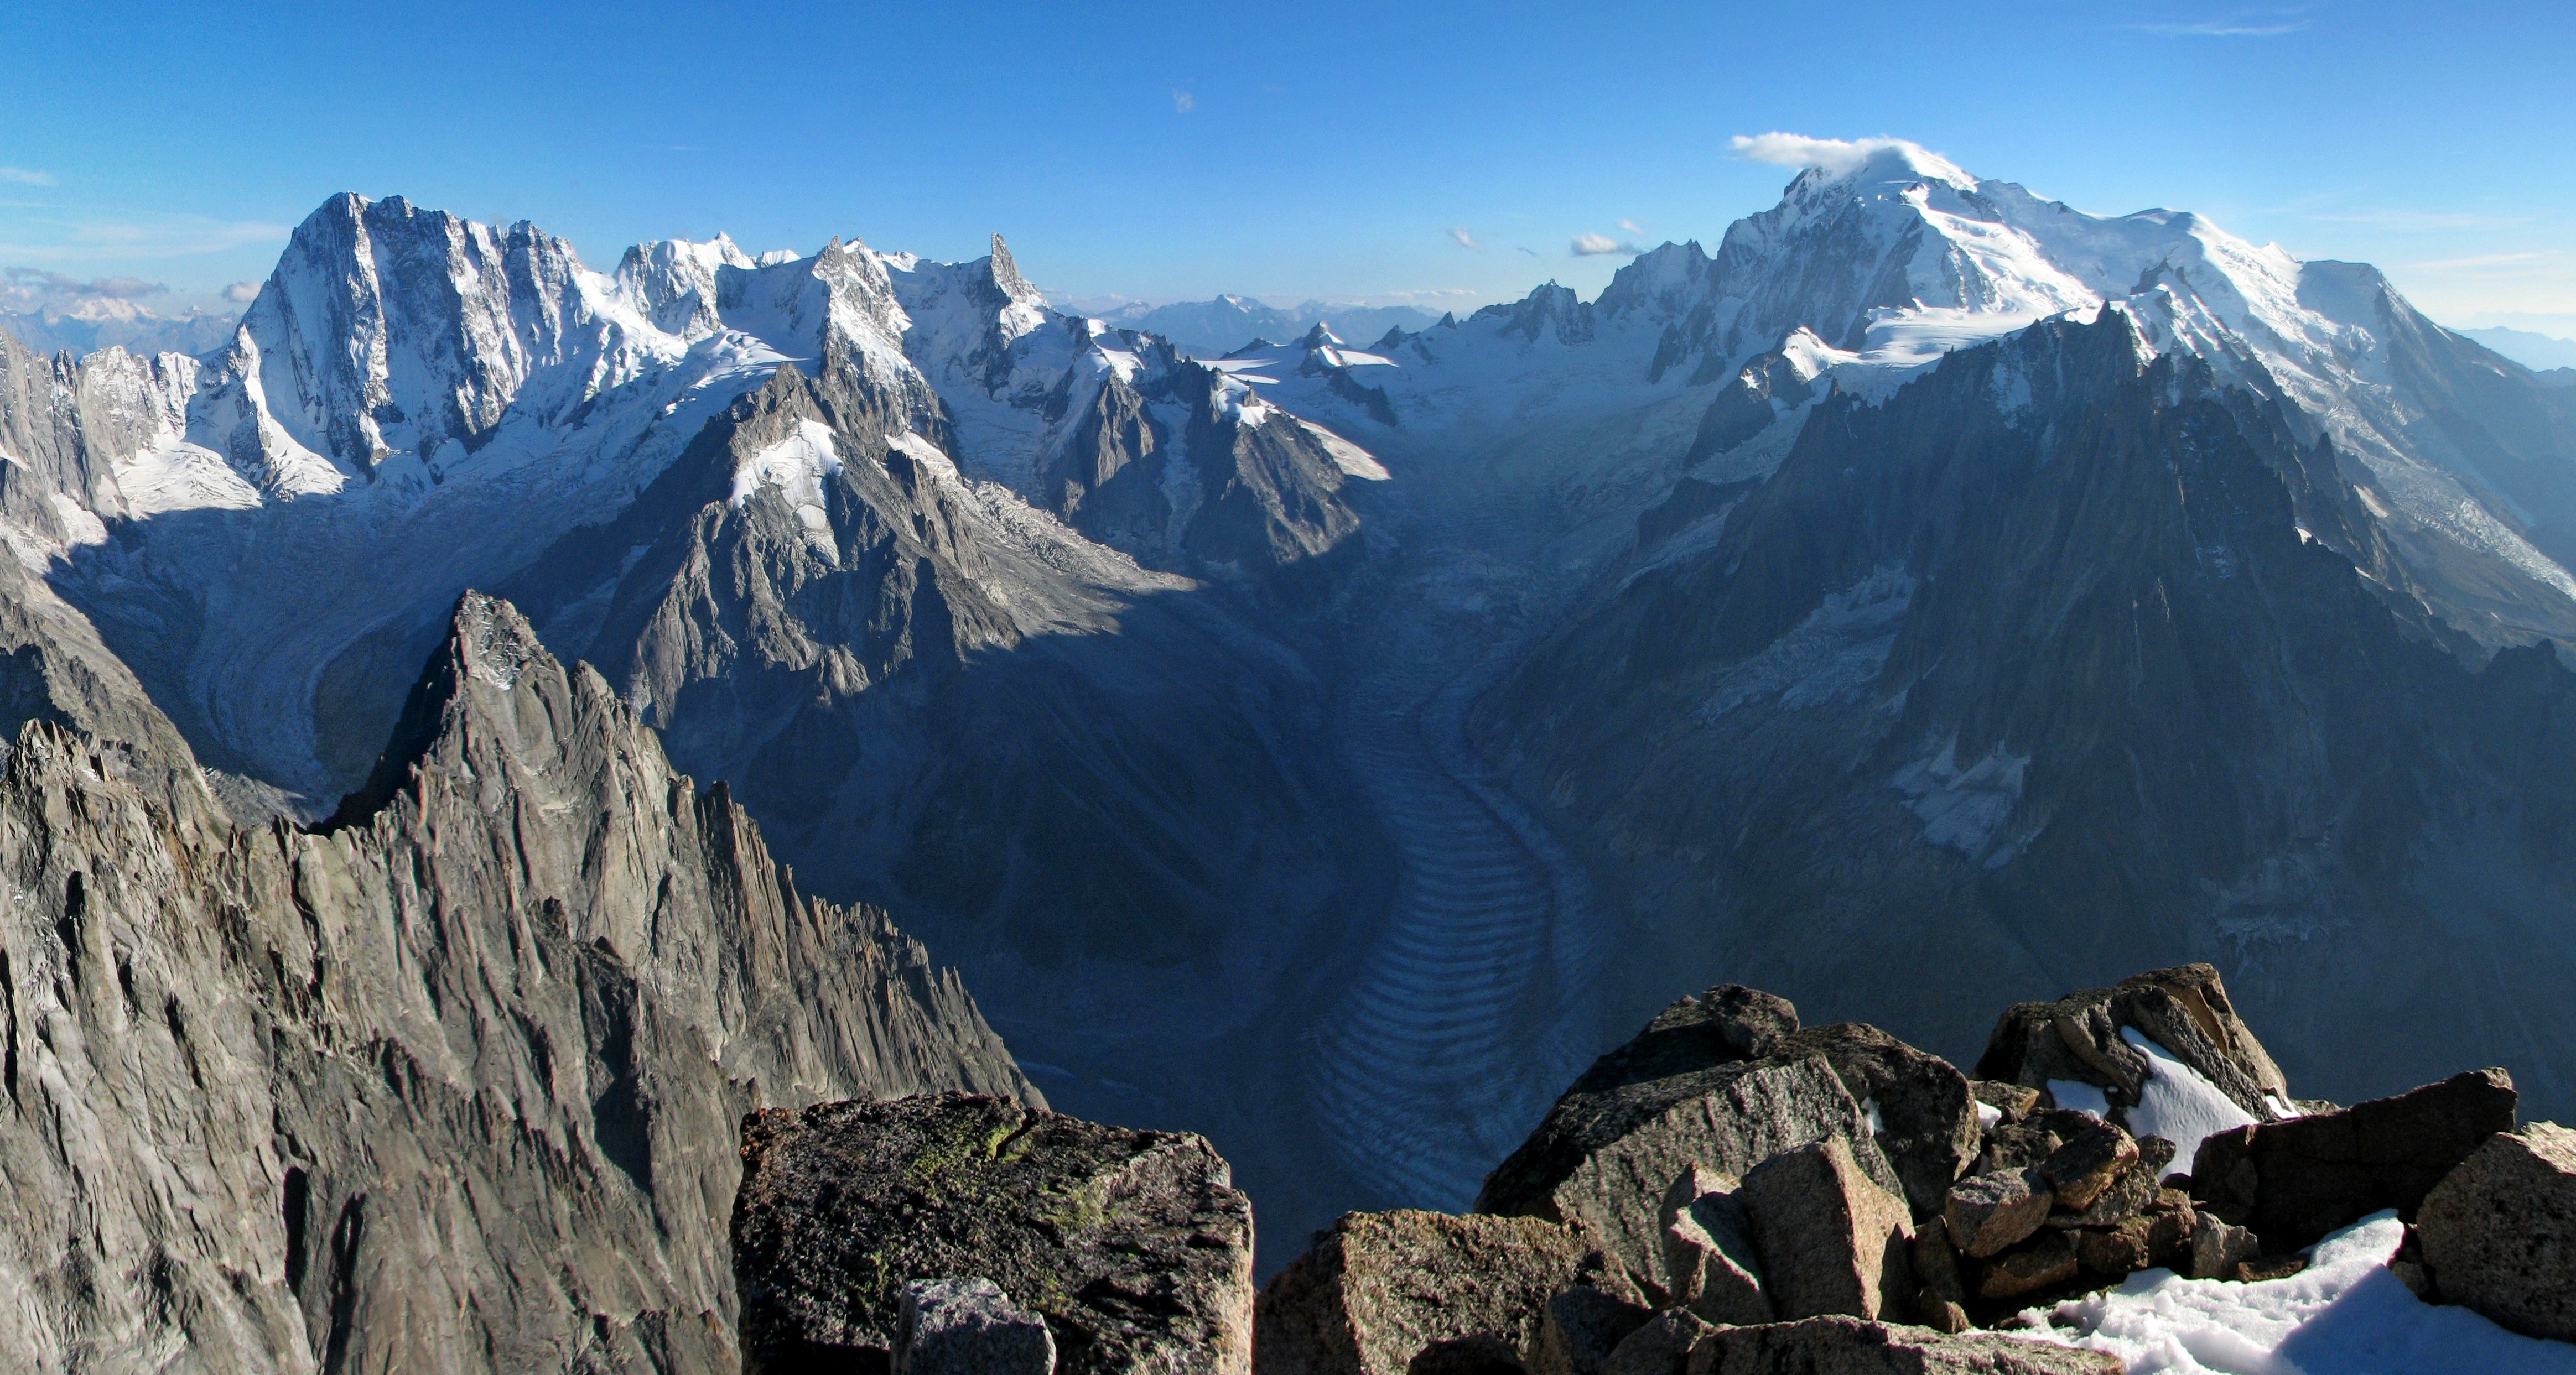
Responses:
[1164,151]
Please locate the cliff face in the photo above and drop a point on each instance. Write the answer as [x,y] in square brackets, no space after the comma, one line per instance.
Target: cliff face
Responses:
[450,1084]
[2050,666]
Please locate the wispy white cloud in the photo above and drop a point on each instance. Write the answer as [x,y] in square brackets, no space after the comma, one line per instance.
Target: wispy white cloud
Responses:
[81,241]
[2488,260]
[2265,23]
[1837,155]
[26,287]
[26,176]
[242,293]
[1632,226]
[1183,102]
[1461,236]
[1590,245]
[2417,219]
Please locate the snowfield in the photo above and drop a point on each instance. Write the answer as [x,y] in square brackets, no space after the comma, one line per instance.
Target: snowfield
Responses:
[2346,1314]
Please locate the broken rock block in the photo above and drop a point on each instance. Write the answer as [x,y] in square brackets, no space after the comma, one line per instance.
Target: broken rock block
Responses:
[1832,1240]
[1988,1212]
[2080,1170]
[1711,1265]
[1927,1118]
[1605,1155]
[2295,1181]
[1848,1346]
[2217,1248]
[1377,1288]
[2049,1259]
[2130,1191]
[2499,1232]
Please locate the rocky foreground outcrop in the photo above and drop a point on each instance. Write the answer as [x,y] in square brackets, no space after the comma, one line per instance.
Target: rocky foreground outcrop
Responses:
[1133,1246]
[1726,1194]
[1749,1195]
[449,1084]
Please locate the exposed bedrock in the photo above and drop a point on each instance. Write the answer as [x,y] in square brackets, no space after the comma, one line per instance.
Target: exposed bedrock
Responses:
[449,1084]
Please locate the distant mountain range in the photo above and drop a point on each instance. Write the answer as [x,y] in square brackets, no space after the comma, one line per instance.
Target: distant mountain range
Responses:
[104,322]
[2540,352]
[1212,328]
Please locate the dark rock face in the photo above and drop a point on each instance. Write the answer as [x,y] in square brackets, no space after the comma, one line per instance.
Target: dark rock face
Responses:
[446,1086]
[1662,1346]
[1378,1289]
[2047,1261]
[1466,1356]
[1849,1346]
[1132,1245]
[2295,1181]
[2499,1232]
[1957,658]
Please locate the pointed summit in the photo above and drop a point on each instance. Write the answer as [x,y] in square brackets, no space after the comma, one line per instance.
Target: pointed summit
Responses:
[1006,274]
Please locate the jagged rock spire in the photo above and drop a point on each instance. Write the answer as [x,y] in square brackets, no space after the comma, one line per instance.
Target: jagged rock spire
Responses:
[1006,273]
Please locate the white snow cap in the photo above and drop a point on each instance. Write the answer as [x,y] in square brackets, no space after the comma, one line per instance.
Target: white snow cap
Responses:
[1835,157]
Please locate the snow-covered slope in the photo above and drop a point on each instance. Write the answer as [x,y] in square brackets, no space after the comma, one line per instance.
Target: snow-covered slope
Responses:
[416,402]
[1873,269]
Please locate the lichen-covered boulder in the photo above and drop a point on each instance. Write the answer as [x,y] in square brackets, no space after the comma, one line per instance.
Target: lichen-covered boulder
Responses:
[1133,1245]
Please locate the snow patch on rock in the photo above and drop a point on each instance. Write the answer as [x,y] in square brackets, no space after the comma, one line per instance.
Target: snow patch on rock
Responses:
[2178,1104]
[1833,655]
[2345,1314]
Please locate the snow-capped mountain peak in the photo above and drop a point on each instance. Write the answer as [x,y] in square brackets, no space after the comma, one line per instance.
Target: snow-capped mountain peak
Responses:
[1875,163]
[673,281]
